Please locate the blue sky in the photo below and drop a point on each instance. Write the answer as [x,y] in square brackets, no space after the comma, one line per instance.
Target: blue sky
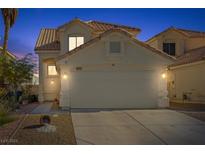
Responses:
[151,21]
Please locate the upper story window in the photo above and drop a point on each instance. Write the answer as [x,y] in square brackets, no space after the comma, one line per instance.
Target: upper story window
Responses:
[75,41]
[115,47]
[52,70]
[169,48]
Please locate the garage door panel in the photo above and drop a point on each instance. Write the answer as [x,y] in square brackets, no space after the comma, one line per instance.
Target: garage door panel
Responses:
[112,90]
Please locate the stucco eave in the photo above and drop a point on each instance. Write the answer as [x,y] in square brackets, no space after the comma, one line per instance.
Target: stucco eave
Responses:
[47,51]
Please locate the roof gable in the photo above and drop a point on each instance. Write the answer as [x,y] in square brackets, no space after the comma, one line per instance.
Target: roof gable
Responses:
[92,41]
[184,32]
[75,21]
[192,33]
[166,31]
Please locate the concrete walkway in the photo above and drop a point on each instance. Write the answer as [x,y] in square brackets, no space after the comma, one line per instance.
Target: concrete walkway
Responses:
[43,108]
[47,108]
[137,127]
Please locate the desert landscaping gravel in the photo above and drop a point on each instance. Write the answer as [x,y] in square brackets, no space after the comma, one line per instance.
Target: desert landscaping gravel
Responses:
[7,129]
[64,133]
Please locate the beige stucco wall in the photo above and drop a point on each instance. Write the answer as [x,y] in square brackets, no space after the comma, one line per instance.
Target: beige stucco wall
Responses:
[188,78]
[129,80]
[193,43]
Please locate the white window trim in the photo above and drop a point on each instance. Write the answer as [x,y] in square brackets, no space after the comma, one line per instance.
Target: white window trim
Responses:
[76,42]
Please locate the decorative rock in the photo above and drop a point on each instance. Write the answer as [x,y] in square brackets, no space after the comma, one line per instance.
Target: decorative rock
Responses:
[55,115]
[45,119]
[47,128]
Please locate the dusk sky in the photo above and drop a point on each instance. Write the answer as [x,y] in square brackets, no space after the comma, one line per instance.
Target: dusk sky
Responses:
[24,34]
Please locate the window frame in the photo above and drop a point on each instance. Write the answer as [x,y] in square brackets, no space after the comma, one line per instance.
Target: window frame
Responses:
[48,70]
[114,51]
[169,48]
[76,41]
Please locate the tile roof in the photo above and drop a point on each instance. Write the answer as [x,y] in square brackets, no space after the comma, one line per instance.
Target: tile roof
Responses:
[185,32]
[8,53]
[103,26]
[123,32]
[191,33]
[48,40]
[190,56]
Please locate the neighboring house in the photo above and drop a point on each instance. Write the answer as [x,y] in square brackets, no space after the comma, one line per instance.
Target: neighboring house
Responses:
[186,80]
[9,54]
[100,65]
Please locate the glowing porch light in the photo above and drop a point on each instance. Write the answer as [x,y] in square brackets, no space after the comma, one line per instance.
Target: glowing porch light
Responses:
[65,76]
[52,82]
[164,75]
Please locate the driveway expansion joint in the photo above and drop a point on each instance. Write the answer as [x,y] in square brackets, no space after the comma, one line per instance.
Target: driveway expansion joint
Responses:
[164,142]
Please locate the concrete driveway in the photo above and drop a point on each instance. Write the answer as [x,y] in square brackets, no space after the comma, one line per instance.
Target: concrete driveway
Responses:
[137,127]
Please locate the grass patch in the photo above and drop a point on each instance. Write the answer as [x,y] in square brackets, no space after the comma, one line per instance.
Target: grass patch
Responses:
[6,119]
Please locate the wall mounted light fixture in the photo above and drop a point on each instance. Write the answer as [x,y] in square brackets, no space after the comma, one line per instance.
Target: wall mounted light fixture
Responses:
[65,76]
[164,75]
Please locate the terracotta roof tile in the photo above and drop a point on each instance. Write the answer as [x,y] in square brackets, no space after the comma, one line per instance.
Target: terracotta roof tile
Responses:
[103,26]
[48,40]
[185,32]
[191,56]
[192,33]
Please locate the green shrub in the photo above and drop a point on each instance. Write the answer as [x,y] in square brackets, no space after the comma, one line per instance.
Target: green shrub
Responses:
[3,110]
[6,119]
[4,115]
[32,98]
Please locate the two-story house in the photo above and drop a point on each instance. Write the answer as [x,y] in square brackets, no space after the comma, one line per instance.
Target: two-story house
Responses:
[186,80]
[92,64]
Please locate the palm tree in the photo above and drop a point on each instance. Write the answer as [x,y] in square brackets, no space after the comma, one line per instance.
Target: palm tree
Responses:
[9,17]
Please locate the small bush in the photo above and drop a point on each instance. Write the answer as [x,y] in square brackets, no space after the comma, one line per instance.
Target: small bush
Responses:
[32,98]
[3,110]
[6,119]
[45,119]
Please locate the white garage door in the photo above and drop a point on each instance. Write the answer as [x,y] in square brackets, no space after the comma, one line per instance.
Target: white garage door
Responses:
[113,90]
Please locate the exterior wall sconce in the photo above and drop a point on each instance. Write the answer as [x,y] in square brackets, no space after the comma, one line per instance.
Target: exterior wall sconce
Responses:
[52,82]
[164,76]
[65,76]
